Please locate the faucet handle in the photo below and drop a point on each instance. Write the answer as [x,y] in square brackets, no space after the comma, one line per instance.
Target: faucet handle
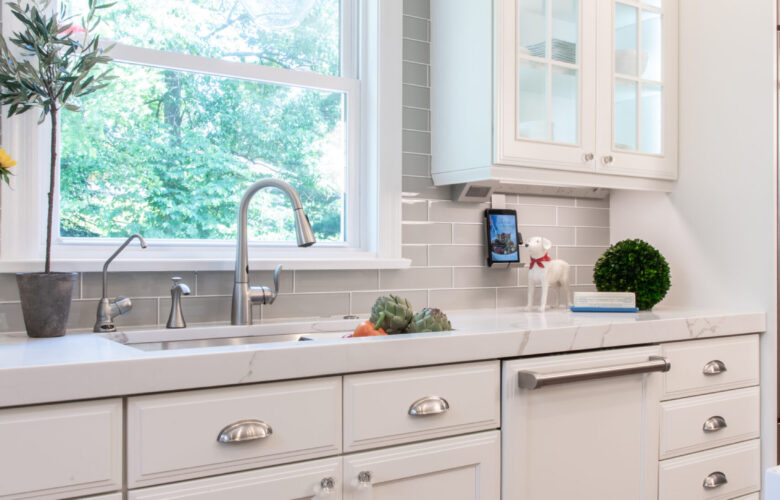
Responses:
[276,284]
[123,305]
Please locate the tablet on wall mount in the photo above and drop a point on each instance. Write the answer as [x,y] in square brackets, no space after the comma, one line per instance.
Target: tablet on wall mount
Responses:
[503,239]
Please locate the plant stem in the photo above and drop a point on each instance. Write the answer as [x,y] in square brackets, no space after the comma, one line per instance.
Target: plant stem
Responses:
[52,178]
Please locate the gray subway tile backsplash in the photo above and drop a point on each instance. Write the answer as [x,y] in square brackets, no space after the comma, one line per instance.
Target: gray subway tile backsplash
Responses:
[426,278]
[416,96]
[336,280]
[444,240]
[416,28]
[426,232]
[414,211]
[417,8]
[417,142]
[416,51]
[417,164]
[597,217]
[127,284]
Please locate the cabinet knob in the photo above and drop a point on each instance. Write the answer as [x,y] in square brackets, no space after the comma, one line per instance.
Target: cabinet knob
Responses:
[606,160]
[244,430]
[364,478]
[587,157]
[715,480]
[429,405]
[326,486]
[714,367]
[714,424]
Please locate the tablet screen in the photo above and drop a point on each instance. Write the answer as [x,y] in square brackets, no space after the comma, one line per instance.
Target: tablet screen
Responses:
[503,237]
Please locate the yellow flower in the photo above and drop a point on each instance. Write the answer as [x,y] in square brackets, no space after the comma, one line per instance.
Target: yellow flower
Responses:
[5,160]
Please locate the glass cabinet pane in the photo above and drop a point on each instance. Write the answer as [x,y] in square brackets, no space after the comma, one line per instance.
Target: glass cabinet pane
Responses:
[652,46]
[532,28]
[625,120]
[638,77]
[652,119]
[565,105]
[532,100]
[565,32]
[548,71]
[626,34]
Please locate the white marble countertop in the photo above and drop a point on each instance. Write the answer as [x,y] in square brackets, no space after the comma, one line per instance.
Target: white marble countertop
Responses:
[85,365]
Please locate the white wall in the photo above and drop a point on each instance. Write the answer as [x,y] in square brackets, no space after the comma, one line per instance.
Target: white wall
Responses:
[718,227]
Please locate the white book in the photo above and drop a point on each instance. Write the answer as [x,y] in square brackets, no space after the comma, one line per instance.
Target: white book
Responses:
[605,299]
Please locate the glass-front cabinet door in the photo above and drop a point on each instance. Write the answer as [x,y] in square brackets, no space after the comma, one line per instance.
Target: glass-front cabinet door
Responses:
[637,88]
[546,69]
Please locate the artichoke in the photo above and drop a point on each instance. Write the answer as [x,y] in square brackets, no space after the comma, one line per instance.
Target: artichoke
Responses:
[429,320]
[392,314]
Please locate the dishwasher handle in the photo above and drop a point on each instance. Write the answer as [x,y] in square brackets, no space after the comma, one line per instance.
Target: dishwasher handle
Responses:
[534,380]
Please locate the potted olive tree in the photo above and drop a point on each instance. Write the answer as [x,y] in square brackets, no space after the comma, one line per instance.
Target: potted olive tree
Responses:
[53,63]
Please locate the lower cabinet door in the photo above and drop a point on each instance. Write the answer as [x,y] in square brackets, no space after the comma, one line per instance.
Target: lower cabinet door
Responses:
[313,480]
[460,468]
[581,426]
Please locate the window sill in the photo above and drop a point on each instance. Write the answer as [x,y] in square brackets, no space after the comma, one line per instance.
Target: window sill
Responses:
[367,261]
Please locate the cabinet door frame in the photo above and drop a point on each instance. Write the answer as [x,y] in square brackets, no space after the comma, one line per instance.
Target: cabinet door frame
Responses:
[289,481]
[634,163]
[510,150]
[396,463]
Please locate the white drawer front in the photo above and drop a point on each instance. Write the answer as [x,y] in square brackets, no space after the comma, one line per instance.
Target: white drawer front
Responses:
[284,482]
[738,355]
[62,450]
[754,496]
[376,405]
[731,416]
[171,437]
[682,478]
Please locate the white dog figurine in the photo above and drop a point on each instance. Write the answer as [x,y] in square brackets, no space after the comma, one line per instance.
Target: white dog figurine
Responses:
[547,272]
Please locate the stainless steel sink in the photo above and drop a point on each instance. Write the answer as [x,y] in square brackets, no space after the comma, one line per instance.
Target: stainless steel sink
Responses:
[220,336]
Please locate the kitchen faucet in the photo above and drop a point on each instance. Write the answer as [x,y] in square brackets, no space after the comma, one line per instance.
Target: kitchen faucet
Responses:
[108,310]
[245,295]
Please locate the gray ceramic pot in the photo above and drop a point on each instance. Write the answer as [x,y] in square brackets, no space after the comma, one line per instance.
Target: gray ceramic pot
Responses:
[46,302]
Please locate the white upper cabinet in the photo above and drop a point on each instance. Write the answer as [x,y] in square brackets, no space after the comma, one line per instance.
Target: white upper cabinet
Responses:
[555,92]
[545,82]
[637,88]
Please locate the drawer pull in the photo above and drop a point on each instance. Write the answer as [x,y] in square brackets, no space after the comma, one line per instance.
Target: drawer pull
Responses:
[429,405]
[714,424]
[715,480]
[327,485]
[365,477]
[534,380]
[714,367]
[245,430]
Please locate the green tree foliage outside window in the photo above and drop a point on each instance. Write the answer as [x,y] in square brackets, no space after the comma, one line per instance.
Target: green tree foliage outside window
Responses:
[169,153]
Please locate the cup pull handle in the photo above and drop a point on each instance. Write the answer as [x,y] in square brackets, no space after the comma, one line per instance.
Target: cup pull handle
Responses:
[714,424]
[715,480]
[714,367]
[429,405]
[243,431]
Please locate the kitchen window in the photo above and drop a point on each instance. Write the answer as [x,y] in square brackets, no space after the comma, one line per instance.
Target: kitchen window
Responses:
[211,96]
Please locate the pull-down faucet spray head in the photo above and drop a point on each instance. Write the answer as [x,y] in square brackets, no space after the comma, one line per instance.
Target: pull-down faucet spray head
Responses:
[303,230]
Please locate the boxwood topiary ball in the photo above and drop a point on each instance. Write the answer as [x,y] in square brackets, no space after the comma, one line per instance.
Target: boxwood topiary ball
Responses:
[633,266]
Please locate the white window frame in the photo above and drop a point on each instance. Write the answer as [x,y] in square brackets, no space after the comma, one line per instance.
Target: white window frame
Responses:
[374,150]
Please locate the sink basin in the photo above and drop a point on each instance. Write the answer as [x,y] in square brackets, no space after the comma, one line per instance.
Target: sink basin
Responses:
[218,336]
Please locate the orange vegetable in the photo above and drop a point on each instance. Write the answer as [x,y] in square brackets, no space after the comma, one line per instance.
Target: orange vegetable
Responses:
[367,329]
